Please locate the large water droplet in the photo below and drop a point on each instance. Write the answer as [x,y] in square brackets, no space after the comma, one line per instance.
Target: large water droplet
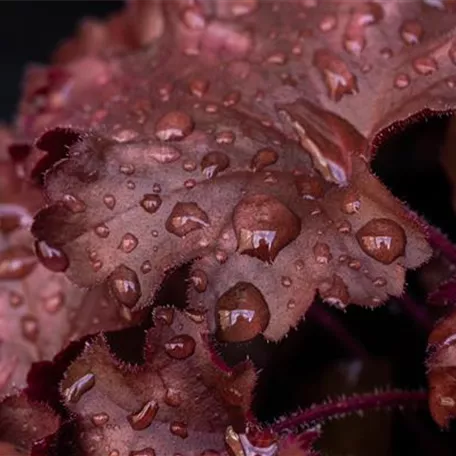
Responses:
[339,80]
[411,32]
[179,428]
[143,418]
[263,157]
[73,203]
[425,65]
[264,226]
[180,347]
[174,125]
[30,328]
[382,239]
[242,313]
[185,218]
[124,285]
[79,388]
[334,292]
[128,243]
[199,280]
[51,257]
[213,163]
[16,262]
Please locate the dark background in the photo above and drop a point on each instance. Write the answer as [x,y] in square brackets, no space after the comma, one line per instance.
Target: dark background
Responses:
[30,31]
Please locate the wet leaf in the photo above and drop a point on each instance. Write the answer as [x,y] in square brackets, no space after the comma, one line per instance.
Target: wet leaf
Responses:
[176,401]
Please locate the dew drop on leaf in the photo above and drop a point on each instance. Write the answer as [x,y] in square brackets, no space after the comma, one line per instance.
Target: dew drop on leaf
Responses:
[213,163]
[165,315]
[128,243]
[411,32]
[242,313]
[173,397]
[180,347]
[425,65]
[81,386]
[263,157]
[99,419]
[143,452]
[29,328]
[225,137]
[124,286]
[151,203]
[309,187]
[334,292]
[174,125]
[109,201]
[322,253]
[402,81]
[102,230]
[53,303]
[199,280]
[382,239]
[351,202]
[73,203]
[51,257]
[198,87]
[232,98]
[179,428]
[143,418]
[185,218]
[16,262]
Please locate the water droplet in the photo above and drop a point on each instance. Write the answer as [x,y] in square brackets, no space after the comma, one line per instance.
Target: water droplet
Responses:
[81,386]
[213,163]
[351,202]
[211,108]
[143,418]
[263,157]
[73,203]
[334,291]
[185,218]
[50,257]
[411,32]
[354,264]
[189,165]
[15,299]
[99,419]
[322,253]
[29,328]
[131,185]
[16,262]
[199,280]
[151,203]
[198,316]
[109,201]
[264,226]
[156,188]
[180,347]
[173,397]
[243,7]
[124,285]
[143,452]
[339,80]
[165,91]
[179,428]
[278,58]
[127,169]
[198,87]
[379,282]
[382,239]
[386,53]
[53,303]
[344,227]
[102,230]
[242,313]
[174,125]
[225,137]
[402,81]
[128,243]
[309,187]
[221,256]
[146,267]
[328,23]
[286,281]
[425,65]
[164,315]
[232,98]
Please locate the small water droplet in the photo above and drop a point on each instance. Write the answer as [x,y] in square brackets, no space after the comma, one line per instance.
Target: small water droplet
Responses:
[221,256]
[16,262]
[174,125]
[73,203]
[179,428]
[197,316]
[264,226]
[53,303]
[402,81]
[322,253]
[146,267]
[189,165]
[339,80]
[199,280]
[299,265]
[156,188]
[344,227]
[286,281]
[143,418]
[180,347]
[211,108]
[425,65]
[309,187]
[109,201]
[128,243]
[150,203]
[124,285]
[51,257]
[278,58]
[232,98]
[382,239]
[185,218]
[225,137]
[264,157]
[354,264]
[173,397]
[335,292]
[29,327]
[164,315]
[411,32]
[131,185]
[127,169]
[99,419]
[351,202]
[386,53]
[379,282]
[242,313]
[102,230]
[81,386]
[213,163]
[198,87]
[15,299]
[328,23]
[165,91]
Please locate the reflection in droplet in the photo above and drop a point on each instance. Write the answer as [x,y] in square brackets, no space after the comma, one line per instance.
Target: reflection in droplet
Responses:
[51,257]
[81,386]
[143,418]
[185,218]
[180,347]
[124,285]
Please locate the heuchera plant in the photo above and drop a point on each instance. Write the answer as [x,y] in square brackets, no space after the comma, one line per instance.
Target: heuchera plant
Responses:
[229,142]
